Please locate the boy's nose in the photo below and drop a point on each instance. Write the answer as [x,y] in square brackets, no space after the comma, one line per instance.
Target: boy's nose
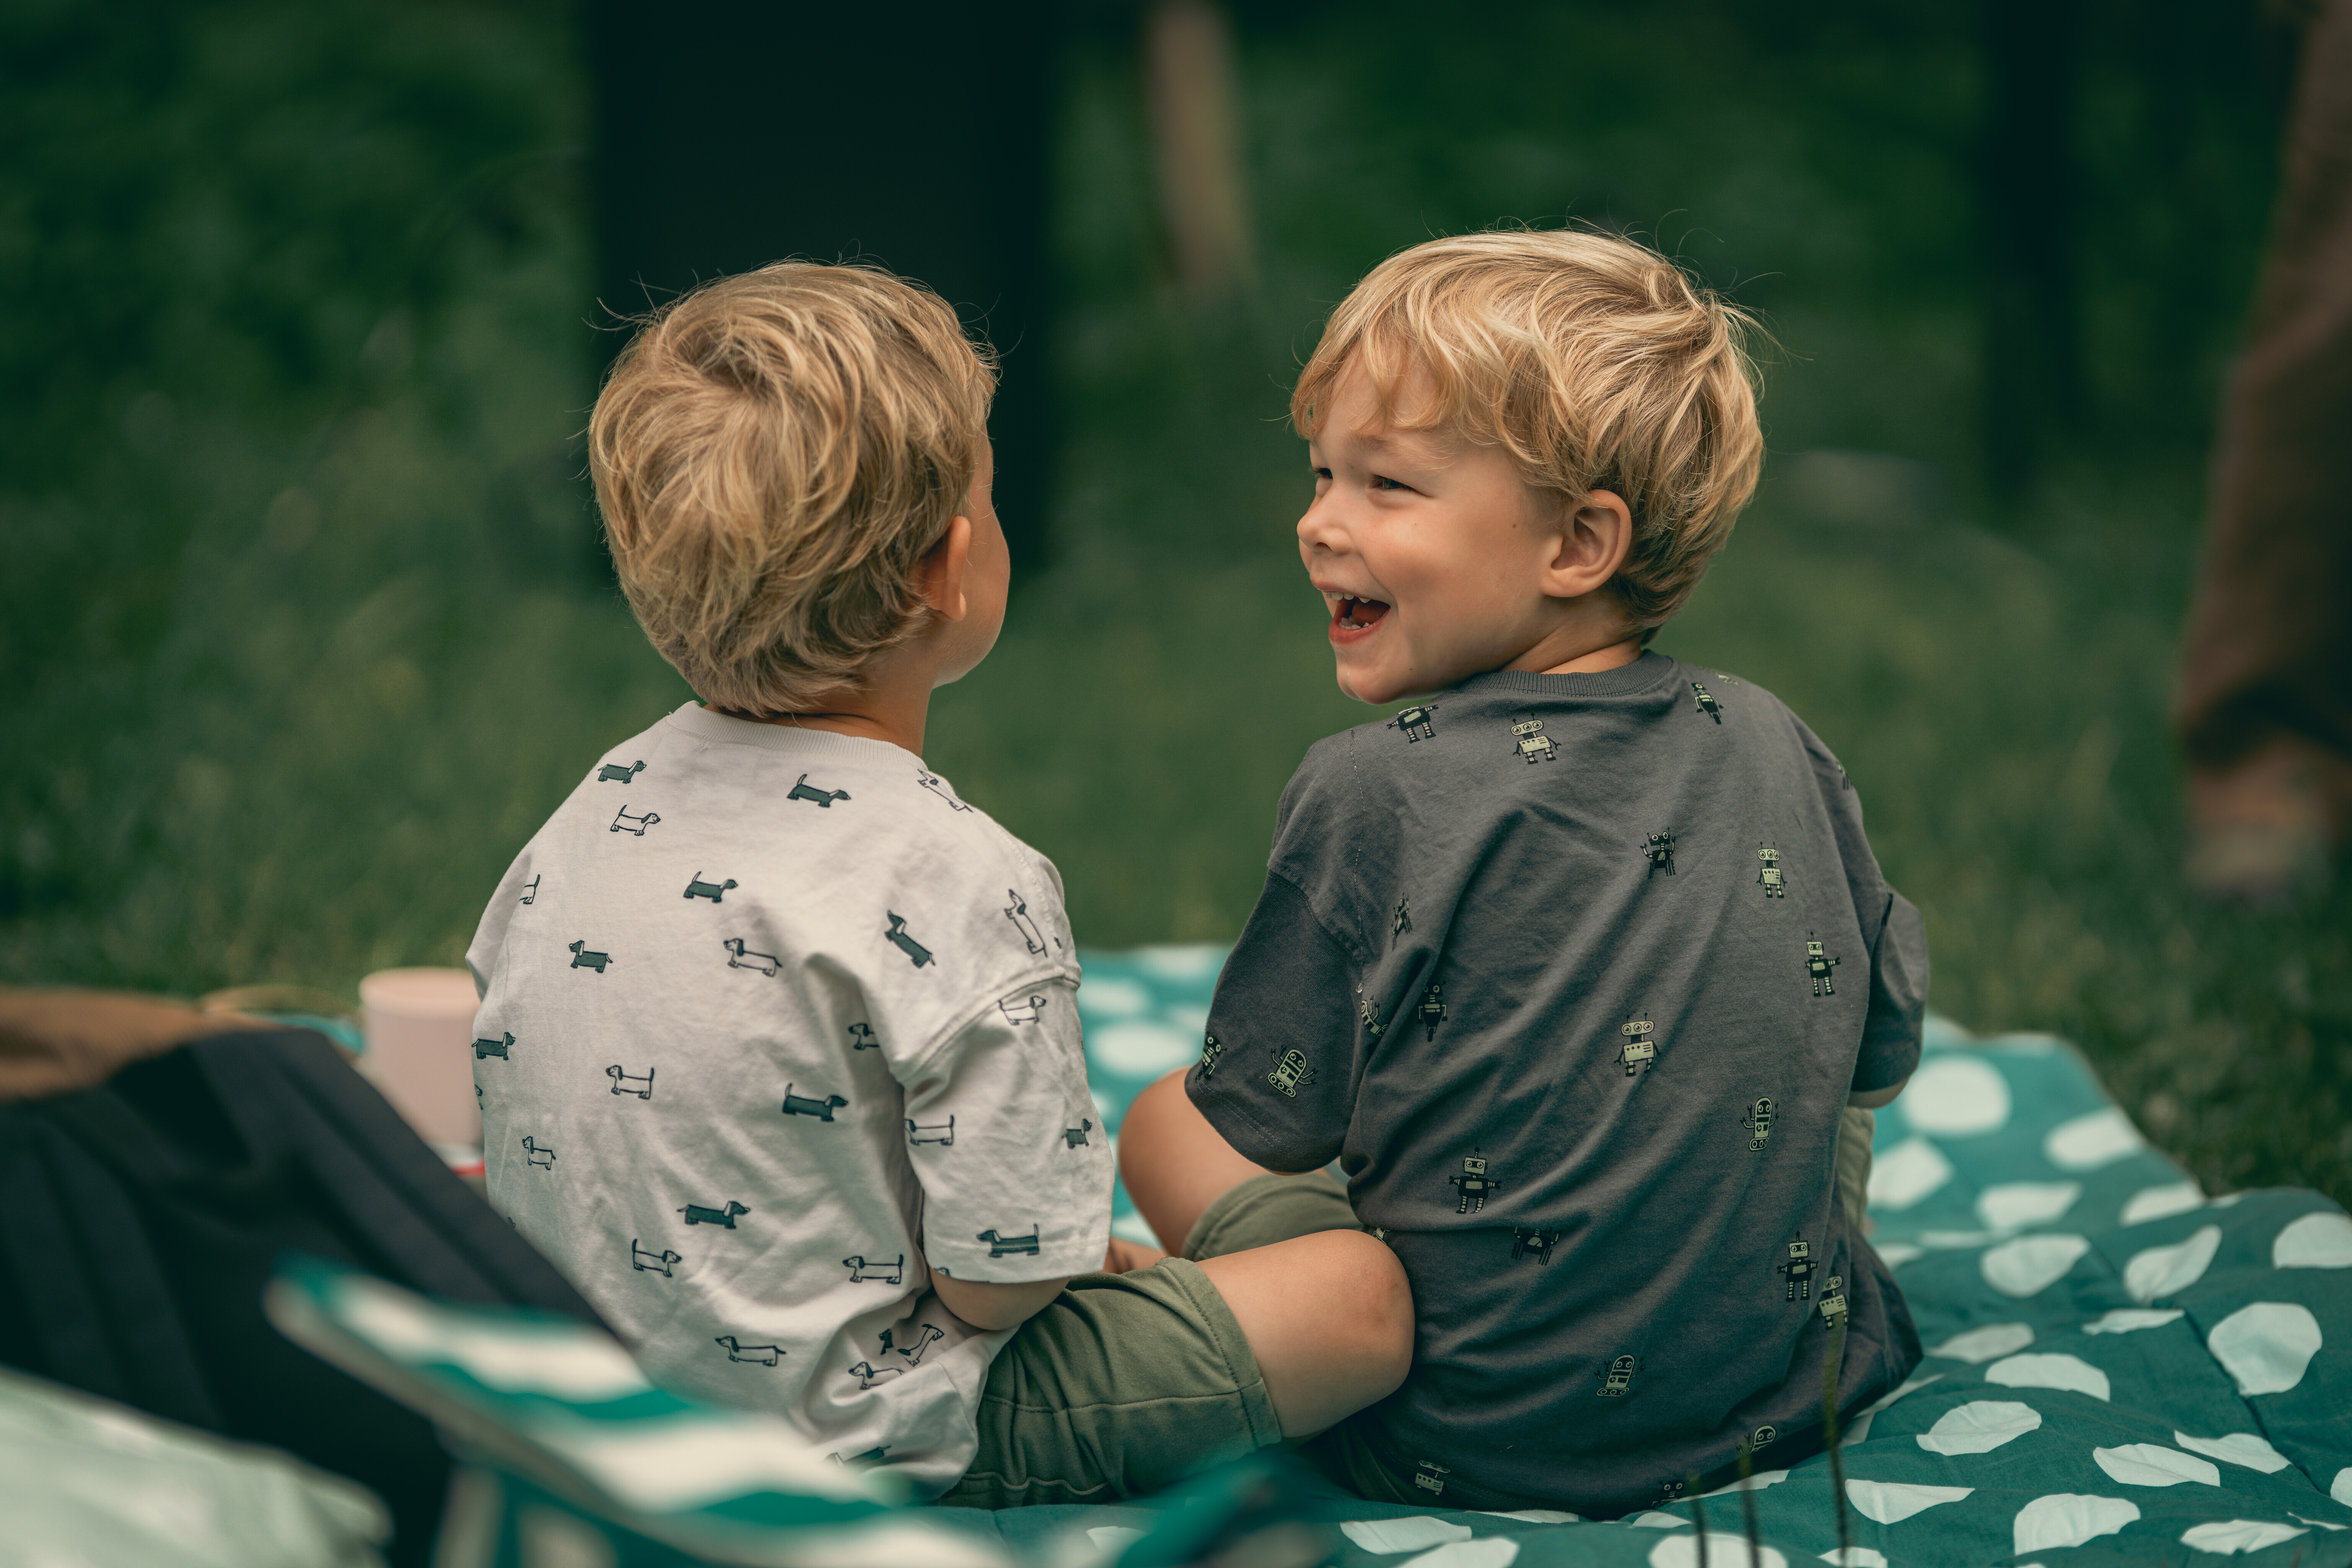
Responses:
[1320,525]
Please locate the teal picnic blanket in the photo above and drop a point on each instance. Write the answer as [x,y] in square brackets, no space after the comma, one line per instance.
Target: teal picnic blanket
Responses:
[2119,1370]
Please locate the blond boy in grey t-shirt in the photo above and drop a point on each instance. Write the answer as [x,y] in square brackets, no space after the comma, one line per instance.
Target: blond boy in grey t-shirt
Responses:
[780,1063]
[1576,960]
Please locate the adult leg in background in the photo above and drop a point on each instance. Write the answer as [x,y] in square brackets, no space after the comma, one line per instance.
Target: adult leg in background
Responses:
[2262,708]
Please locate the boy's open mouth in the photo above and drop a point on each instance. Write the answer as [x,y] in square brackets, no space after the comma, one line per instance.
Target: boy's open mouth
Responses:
[1354,614]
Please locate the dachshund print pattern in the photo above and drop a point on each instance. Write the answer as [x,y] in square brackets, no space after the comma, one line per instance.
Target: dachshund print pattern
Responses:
[748,1001]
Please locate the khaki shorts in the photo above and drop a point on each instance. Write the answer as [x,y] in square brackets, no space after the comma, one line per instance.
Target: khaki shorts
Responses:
[1128,1383]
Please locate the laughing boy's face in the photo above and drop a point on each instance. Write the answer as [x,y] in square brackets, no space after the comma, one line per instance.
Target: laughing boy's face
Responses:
[1427,549]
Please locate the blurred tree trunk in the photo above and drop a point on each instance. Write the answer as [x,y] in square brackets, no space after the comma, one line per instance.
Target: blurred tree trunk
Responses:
[729,133]
[2028,192]
[1197,146]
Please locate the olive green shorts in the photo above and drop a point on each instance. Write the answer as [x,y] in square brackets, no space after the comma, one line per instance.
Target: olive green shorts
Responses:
[1128,1383]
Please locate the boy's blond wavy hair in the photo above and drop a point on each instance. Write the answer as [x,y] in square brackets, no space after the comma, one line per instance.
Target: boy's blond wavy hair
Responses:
[1594,361]
[772,454]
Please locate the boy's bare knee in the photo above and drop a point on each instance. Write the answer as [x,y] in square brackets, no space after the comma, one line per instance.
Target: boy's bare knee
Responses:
[1371,1305]
[1146,1113]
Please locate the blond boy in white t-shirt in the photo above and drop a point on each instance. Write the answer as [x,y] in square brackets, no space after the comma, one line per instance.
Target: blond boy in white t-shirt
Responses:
[780,1062]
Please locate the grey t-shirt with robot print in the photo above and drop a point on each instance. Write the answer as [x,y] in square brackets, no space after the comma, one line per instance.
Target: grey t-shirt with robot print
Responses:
[1572,975]
[774,1026]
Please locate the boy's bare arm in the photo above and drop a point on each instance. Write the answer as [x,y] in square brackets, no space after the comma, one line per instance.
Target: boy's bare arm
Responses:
[985,1306]
[1872,1098]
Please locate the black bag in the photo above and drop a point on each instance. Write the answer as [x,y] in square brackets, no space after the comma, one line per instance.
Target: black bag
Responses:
[140,1220]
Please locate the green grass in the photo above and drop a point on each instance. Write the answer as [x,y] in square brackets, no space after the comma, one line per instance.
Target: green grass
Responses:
[306,630]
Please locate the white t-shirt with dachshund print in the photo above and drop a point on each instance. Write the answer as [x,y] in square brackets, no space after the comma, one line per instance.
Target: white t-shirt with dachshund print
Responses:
[773,1026]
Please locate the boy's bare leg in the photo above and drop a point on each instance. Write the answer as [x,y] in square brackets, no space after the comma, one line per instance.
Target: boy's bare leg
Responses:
[1328,1316]
[1175,1165]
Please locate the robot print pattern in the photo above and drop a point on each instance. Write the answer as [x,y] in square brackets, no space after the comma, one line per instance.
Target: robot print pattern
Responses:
[1641,1051]
[1290,1073]
[1706,703]
[1417,724]
[1530,744]
[1833,1300]
[1616,1381]
[1800,1270]
[1211,1050]
[1659,850]
[1535,1244]
[1758,1123]
[1430,1477]
[1431,1012]
[1775,884]
[1818,966]
[1400,921]
[1368,1015]
[1473,1184]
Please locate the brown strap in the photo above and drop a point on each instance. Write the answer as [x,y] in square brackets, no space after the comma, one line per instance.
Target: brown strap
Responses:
[53,1041]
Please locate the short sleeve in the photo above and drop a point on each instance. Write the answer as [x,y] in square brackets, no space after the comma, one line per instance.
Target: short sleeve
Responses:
[1898,998]
[1277,1073]
[1002,1133]
[1890,924]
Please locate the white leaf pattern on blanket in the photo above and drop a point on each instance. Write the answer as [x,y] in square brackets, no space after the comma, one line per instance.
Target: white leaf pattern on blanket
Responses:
[2154,1465]
[2069,1519]
[1891,1502]
[1980,1426]
[2266,1345]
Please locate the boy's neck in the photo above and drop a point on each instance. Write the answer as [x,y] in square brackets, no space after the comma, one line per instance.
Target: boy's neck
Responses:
[1611,655]
[892,703]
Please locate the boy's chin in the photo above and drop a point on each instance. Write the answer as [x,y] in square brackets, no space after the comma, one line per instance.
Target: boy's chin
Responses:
[1370,687]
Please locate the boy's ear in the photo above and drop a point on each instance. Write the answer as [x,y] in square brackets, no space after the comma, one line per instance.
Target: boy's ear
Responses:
[940,574]
[1594,537]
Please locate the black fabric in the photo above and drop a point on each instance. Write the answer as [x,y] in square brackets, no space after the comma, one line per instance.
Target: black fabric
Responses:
[139,1222]
[1574,974]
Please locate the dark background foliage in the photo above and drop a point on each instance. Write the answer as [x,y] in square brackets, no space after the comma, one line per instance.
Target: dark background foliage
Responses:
[307,626]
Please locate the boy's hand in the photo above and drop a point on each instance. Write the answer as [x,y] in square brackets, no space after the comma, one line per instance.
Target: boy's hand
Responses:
[1126,1257]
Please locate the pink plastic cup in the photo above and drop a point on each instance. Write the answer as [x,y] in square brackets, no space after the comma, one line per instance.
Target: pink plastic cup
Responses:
[420,1030]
